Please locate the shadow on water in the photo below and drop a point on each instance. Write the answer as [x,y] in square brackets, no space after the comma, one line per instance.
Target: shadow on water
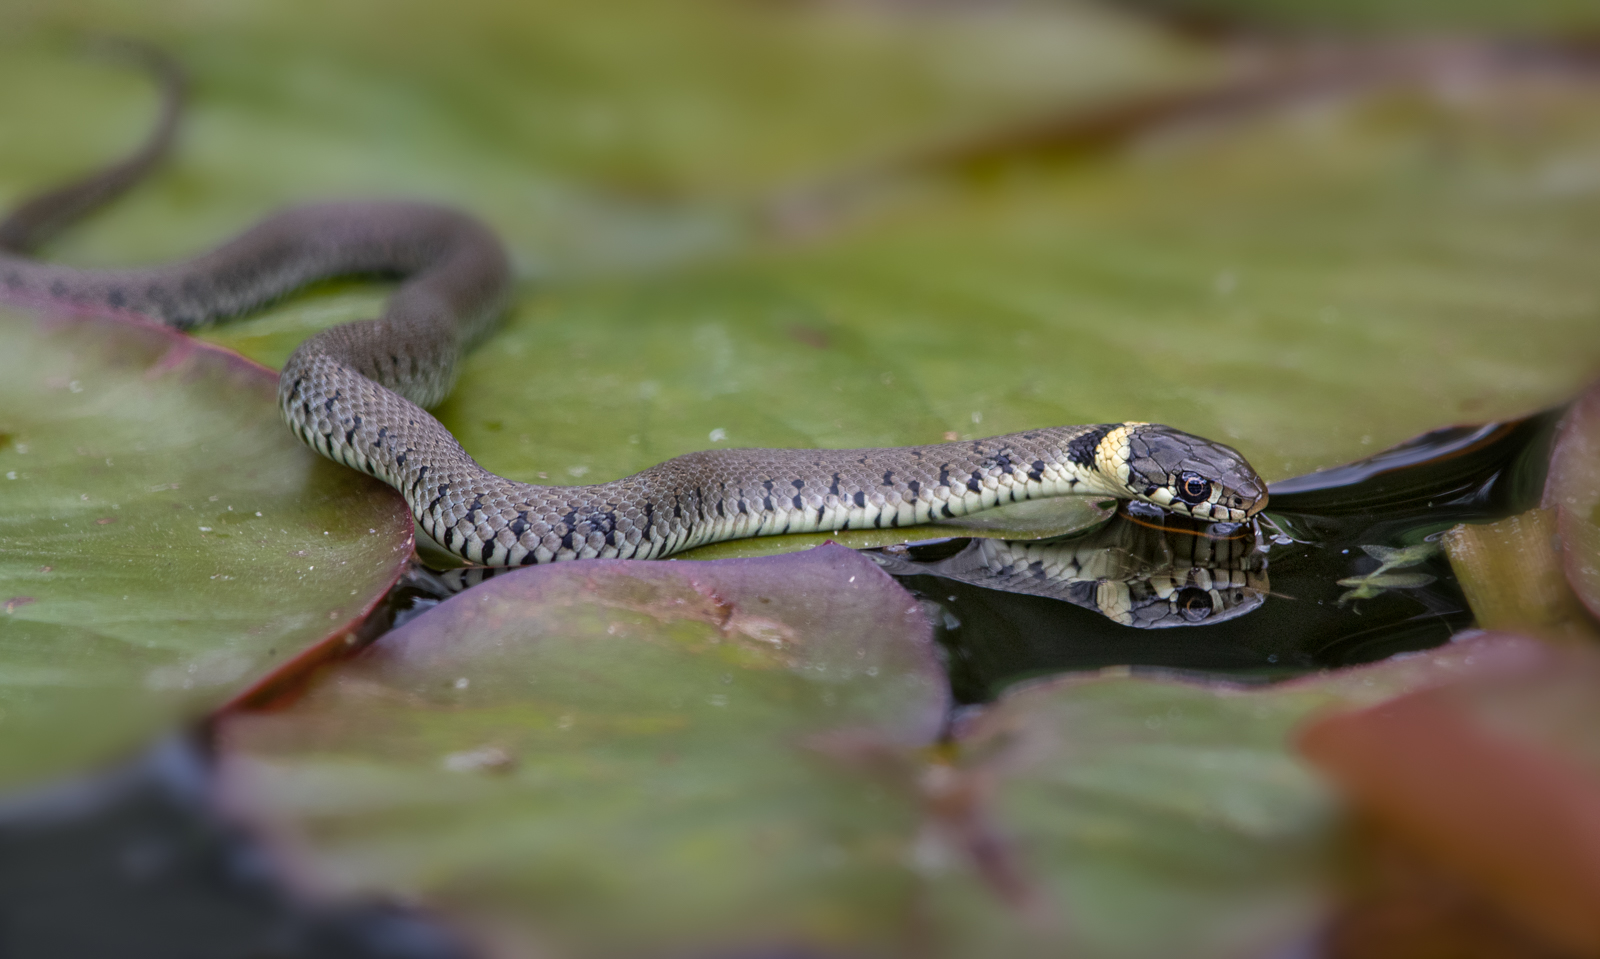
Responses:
[1343,568]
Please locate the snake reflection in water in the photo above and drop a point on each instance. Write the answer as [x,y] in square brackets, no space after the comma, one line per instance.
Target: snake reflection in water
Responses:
[356,394]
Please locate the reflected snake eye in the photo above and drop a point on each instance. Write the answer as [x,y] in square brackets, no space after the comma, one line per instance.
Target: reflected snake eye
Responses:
[1193,488]
[1194,604]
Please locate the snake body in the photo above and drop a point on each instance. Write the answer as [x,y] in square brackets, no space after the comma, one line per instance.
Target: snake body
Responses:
[357,394]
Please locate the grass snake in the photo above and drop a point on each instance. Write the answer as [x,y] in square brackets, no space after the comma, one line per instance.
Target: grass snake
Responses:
[358,393]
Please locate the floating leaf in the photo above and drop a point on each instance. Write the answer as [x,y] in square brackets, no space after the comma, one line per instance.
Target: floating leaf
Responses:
[608,756]
[1133,817]
[164,539]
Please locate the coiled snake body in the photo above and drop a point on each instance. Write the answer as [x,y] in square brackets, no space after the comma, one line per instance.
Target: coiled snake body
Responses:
[356,393]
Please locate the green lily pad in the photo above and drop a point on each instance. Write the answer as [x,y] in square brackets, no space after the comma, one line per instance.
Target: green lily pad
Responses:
[164,540]
[1133,817]
[611,755]
[1573,489]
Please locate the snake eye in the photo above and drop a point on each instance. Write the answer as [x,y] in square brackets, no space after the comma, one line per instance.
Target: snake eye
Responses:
[1194,604]
[1193,488]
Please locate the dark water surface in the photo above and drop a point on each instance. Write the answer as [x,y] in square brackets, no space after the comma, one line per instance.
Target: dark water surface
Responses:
[1321,545]
[1344,568]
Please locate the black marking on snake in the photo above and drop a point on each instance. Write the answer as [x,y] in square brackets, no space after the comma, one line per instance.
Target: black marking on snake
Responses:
[834,489]
[604,521]
[944,474]
[975,482]
[768,502]
[571,522]
[1037,472]
[743,510]
[1081,449]
[443,489]
[799,484]
[1001,460]
[1149,489]
[945,508]
[888,477]
[449,536]
[915,488]
[860,499]
[649,515]
[350,434]
[798,503]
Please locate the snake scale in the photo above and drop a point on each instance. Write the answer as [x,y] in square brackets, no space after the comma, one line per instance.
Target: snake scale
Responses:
[357,394]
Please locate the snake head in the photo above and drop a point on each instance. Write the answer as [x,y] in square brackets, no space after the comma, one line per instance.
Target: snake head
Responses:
[1182,472]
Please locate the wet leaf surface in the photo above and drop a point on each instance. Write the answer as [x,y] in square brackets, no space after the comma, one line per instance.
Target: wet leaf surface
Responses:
[164,540]
[612,754]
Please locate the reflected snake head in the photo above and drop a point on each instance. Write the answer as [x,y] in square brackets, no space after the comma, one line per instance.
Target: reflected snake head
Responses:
[1183,473]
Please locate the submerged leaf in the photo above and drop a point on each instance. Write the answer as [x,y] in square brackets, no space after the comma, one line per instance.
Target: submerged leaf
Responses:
[164,539]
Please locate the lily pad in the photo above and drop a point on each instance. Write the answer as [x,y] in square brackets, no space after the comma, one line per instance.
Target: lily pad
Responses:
[610,756]
[164,540]
[1574,491]
[1132,817]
